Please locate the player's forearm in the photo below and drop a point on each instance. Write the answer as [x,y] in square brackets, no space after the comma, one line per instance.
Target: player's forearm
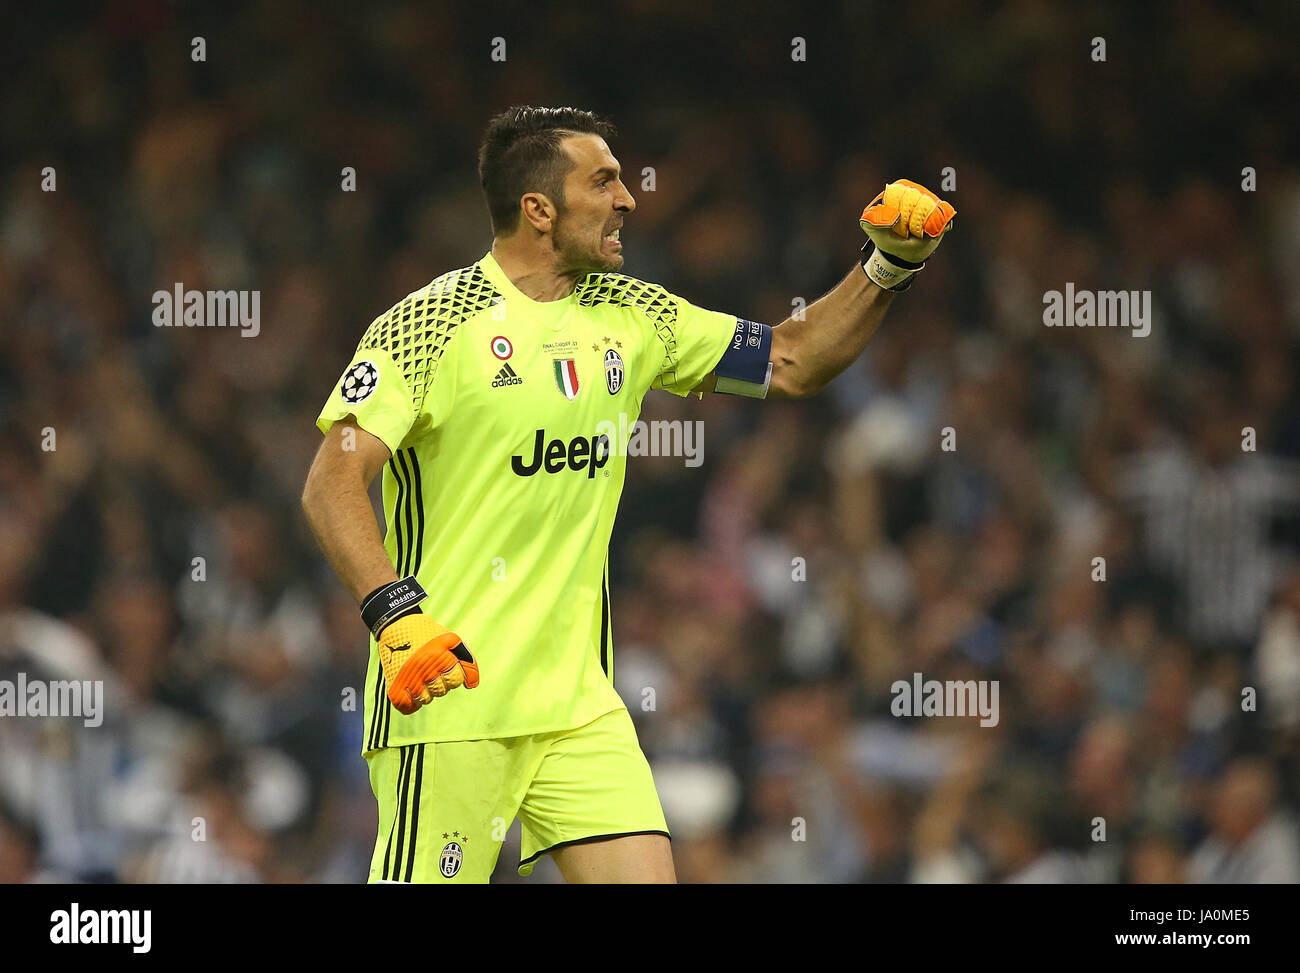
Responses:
[338,509]
[808,353]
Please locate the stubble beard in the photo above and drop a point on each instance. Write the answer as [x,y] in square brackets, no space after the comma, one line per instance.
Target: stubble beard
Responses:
[577,257]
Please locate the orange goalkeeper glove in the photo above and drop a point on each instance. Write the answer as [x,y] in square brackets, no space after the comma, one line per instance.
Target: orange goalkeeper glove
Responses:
[421,659]
[904,225]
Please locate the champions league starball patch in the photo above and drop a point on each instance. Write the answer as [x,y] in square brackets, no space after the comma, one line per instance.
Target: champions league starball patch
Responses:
[359,382]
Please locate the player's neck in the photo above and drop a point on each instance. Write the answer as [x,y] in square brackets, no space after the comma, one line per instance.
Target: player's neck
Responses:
[533,271]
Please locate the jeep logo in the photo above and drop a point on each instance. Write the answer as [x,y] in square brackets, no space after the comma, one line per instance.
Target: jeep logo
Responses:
[579,453]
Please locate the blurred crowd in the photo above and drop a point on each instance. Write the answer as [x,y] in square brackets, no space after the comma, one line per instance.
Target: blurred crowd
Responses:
[151,538]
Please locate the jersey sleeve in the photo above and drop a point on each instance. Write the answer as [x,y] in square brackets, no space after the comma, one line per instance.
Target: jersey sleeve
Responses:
[401,381]
[692,340]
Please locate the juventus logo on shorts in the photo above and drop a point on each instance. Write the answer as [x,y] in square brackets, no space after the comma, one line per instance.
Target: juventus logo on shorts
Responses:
[452,856]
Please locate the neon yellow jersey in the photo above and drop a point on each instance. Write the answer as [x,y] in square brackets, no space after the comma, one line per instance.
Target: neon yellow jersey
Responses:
[503,417]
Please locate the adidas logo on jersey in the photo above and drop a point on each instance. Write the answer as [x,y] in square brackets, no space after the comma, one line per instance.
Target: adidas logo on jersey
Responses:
[506,376]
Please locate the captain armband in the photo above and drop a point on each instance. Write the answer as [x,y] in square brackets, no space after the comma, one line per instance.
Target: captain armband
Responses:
[745,368]
[391,601]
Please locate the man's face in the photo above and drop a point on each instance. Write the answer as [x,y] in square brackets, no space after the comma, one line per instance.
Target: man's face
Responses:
[595,203]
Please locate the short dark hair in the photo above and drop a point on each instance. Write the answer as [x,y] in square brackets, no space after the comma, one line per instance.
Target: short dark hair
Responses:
[521,153]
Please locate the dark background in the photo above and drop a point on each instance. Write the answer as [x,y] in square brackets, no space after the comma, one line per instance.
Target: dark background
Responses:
[1119,699]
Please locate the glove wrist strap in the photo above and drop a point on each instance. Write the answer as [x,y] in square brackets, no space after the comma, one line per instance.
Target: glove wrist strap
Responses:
[887,271]
[391,601]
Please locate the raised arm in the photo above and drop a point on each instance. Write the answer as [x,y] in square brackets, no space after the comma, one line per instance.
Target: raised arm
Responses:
[904,225]
[806,354]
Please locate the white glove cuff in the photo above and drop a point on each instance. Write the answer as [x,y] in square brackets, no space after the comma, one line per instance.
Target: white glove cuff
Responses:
[886,273]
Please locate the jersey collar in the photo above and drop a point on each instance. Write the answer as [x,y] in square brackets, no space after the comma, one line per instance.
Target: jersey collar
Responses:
[552,312]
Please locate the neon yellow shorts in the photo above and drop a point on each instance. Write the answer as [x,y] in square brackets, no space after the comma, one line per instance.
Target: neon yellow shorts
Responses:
[444,808]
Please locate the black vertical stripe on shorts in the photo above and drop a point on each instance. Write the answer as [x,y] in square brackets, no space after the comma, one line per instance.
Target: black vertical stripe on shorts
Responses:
[408,754]
[398,828]
[397,808]
[415,811]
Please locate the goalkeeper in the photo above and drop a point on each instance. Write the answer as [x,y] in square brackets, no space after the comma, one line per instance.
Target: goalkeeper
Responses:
[482,397]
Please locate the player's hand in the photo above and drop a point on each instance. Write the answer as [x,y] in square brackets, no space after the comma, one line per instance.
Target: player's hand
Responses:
[905,224]
[422,661]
